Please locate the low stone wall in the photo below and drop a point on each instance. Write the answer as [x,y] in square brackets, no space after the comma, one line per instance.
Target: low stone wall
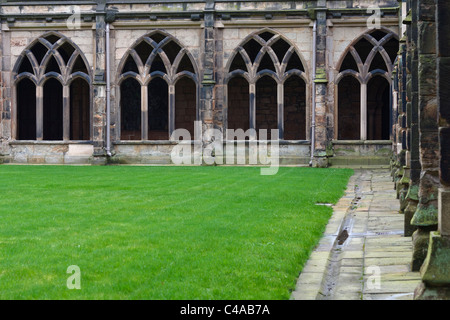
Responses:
[33,152]
[345,153]
[361,153]
[158,152]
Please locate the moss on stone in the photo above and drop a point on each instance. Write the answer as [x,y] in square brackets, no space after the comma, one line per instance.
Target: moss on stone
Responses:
[425,215]
[436,268]
[413,193]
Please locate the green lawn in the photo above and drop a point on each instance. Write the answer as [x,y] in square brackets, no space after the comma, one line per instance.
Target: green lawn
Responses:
[160,232]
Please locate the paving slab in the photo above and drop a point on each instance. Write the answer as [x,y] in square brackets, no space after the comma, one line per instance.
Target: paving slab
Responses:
[374,261]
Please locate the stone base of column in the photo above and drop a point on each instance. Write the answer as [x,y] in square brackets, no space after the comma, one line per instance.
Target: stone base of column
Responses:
[444,211]
[99,160]
[426,292]
[402,189]
[412,197]
[420,242]
[409,211]
[435,270]
[320,162]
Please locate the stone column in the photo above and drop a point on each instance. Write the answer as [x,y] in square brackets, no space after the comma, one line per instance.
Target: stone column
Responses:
[425,217]
[319,14]
[66,113]
[411,97]
[7,123]
[207,92]
[435,270]
[39,112]
[144,112]
[403,125]
[2,103]
[99,88]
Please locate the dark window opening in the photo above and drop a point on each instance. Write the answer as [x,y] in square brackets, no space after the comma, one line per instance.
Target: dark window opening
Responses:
[378,63]
[39,51]
[79,66]
[25,66]
[349,63]
[378,34]
[130,65]
[266,105]
[349,109]
[238,104]
[172,49]
[280,47]
[266,63]
[53,110]
[294,109]
[295,63]
[26,110]
[52,38]
[79,110]
[66,51]
[363,47]
[158,65]
[158,110]
[52,66]
[392,47]
[186,64]
[252,47]
[266,35]
[157,37]
[238,63]
[130,102]
[378,123]
[143,50]
[185,105]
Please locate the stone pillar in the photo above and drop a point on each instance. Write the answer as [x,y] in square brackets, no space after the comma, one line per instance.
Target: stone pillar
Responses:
[403,125]
[219,74]
[411,97]
[319,13]
[207,93]
[436,268]
[144,112]
[2,138]
[7,129]
[99,87]
[425,217]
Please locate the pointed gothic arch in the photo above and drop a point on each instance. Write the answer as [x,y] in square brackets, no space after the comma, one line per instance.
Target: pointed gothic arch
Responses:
[162,109]
[48,67]
[370,56]
[266,60]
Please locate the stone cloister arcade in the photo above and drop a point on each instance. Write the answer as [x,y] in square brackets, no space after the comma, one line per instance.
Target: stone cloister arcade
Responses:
[216,66]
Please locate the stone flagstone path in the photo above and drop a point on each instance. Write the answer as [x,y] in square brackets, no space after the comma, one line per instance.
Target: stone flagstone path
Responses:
[363,254]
